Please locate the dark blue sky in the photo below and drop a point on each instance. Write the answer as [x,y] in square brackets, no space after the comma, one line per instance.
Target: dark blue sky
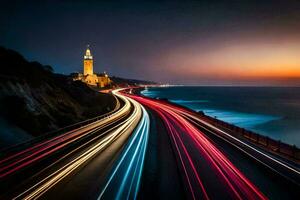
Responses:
[167,41]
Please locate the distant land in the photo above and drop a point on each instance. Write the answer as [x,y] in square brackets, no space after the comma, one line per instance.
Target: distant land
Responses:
[34,100]
[121,81]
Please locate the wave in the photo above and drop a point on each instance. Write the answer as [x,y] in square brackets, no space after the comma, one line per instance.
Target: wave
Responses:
[245,120]
[149,93]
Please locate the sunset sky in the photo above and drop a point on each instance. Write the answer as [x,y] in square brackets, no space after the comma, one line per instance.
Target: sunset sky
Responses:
[199,43]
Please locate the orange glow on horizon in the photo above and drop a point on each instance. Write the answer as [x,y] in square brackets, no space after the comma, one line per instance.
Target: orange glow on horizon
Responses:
[274,73]
[242,61]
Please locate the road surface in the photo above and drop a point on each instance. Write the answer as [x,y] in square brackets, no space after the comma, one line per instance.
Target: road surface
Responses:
[107,154]
[145,149]
[215,165]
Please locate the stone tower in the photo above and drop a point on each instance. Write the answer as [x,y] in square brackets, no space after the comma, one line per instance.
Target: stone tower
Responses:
[88,62]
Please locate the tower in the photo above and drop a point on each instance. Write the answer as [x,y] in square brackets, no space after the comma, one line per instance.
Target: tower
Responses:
[88,62]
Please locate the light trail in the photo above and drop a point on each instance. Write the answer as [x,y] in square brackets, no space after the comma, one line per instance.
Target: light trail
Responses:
[221,133]
[123,178]
[137,145]
[246,145]
[190,175]
[238,186]
[38,151]
[241,145]
[124,181]
[35,146]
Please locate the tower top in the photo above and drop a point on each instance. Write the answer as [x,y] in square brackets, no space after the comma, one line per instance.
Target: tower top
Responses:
[88,54]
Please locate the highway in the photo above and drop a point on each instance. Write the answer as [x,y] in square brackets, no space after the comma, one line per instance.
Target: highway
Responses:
[116,145]
[144,149]
[215,165]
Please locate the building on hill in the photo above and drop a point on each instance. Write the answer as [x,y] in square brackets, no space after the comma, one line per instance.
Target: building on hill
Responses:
[88,76]
[88,63]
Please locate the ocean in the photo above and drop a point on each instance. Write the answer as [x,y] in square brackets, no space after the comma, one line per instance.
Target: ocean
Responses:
[271,111]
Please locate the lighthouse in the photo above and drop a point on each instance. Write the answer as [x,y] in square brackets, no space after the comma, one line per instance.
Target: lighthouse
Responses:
[88,62]
[88,76]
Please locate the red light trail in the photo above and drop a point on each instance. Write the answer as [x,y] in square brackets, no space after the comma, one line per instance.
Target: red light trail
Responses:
[181,132]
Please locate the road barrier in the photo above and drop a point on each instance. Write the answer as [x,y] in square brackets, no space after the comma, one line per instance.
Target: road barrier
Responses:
[276,146]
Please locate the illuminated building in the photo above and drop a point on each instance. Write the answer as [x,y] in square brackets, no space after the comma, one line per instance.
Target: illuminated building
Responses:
[88,76]
[88,63]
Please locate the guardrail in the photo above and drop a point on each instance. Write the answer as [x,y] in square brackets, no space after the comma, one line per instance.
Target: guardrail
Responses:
[276,146]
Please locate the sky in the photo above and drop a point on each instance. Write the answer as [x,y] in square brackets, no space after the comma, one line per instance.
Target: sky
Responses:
[249,42]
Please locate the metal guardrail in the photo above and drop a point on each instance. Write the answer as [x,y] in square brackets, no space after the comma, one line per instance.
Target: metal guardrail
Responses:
[276,146]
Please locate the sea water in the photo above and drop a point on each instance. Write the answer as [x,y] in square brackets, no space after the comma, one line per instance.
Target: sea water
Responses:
[271,111]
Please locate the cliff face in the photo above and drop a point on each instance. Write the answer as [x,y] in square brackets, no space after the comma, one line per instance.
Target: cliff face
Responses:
[34,100]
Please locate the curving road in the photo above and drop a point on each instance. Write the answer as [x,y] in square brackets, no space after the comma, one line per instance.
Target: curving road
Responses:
[161,152]
[115,145]
[216,165]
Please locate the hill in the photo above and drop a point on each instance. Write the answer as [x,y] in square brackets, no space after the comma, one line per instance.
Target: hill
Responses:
[34,100]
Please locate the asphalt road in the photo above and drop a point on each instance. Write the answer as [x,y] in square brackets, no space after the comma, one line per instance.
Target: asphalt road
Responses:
[161,177]
[258,169]
[166,152]
[271,177]
[97,160]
